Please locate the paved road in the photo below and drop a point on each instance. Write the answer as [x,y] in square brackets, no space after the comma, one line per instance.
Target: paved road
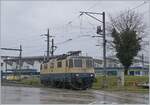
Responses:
[28,95]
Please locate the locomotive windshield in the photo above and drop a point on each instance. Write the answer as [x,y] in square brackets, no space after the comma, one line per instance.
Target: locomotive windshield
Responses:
[78,62]
[81,63]
[70,63]
[89,63]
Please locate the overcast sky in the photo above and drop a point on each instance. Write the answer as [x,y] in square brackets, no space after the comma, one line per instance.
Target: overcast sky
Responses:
[22,22]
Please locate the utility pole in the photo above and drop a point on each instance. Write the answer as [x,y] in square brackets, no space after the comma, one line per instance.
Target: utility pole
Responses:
[52,47]
[143,61]
[48,40]
[47,44]
[6,67]
[104,49]
[103,35]
[20,61]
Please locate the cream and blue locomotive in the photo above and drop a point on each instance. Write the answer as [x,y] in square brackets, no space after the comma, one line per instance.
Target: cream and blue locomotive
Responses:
[68,71]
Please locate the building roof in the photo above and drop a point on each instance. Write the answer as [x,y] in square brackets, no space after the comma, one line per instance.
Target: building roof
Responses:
[41,58]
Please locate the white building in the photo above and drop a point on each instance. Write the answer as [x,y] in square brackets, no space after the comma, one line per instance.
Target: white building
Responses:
[139,67]
[33,62]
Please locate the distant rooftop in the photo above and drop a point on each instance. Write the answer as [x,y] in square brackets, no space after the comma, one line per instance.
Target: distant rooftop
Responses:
[41,58]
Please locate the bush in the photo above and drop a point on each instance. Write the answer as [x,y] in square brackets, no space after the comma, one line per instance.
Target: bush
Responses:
[31,81]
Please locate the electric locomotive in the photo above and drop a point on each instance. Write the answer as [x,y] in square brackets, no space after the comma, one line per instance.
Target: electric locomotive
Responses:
[68,71]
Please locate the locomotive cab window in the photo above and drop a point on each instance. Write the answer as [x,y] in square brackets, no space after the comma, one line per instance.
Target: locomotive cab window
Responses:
[41,67]
[70,63]
[52,65]
[78,62]
[45,66]
[59,64]
[89,63]
[66,63]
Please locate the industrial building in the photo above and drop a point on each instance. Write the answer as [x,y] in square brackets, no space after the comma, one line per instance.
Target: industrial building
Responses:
[31,65]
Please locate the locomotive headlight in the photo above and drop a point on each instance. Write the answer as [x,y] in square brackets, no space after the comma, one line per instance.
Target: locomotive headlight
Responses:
[91,75]
[77,75]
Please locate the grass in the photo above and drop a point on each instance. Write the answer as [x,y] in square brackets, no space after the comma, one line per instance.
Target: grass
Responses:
[35,81]
[130,83]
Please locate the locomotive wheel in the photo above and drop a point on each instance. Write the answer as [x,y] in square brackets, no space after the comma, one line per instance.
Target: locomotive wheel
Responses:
[44,83]
[59,84]
[67,85]
[41,81]
[53,83]
[75,85]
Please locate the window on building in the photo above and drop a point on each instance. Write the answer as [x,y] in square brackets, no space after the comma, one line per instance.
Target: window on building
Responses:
[131,72]
[137,72]
[115,65]
[27,67]
[41,67]
[59,64]
[1,64]
[70,63]
[89,63]
[109,65]
[78,63]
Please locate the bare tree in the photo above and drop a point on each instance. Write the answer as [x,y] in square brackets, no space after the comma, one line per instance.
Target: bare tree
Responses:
[128,19]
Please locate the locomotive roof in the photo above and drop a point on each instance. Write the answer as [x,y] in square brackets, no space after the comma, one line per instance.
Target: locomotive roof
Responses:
[80,57]
[66,56]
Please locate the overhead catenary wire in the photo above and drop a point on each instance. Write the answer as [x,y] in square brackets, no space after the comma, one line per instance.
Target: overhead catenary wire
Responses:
[130,10]
[79,16]
[70,22]
[95,25]
[94,5]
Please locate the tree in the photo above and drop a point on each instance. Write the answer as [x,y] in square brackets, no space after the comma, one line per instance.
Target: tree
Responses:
[126,32]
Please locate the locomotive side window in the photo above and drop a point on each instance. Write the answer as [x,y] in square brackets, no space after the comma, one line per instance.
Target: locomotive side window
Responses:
[52,65]
[41,67]
[78,63]
[59,64]
[45,66]
[66,63]
[89,63]
[70,63]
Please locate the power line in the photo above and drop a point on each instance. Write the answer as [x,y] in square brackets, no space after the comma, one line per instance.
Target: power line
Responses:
[70,22]
[131,9]
[92,6]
